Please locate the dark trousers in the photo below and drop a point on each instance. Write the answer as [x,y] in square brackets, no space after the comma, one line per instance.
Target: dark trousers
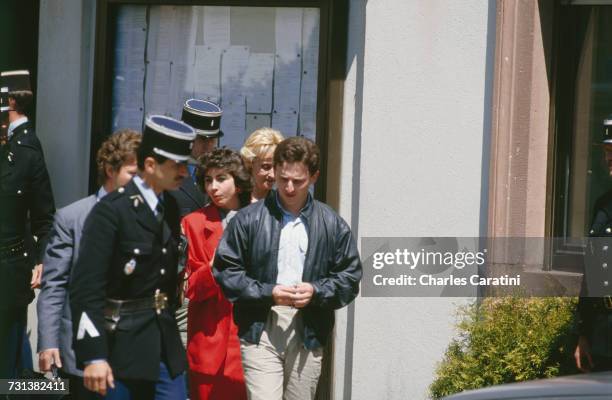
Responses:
[166,388]
[12,341]
[601,363]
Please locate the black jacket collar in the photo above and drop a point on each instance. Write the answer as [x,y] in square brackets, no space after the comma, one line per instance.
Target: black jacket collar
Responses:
[272,204]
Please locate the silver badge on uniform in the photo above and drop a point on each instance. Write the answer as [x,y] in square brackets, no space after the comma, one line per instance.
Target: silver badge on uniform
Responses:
[129,267]
[137,200]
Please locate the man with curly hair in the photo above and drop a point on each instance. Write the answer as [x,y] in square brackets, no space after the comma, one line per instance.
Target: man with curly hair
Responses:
[116,162]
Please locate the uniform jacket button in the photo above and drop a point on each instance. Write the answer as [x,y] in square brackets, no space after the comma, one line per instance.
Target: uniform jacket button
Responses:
[136,251]
[162,271]
[164,251]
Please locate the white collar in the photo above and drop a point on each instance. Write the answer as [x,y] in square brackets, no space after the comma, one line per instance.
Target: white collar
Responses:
[15,124]
[147,192]
[101,193]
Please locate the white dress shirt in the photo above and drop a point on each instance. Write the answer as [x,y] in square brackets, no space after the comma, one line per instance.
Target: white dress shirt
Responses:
[292,248]
[15,124]
[147,193]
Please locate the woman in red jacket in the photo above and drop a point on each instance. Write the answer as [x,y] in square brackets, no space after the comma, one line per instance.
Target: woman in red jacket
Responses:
[213,347]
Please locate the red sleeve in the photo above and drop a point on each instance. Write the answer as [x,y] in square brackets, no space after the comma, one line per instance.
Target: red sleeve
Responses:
[201,284]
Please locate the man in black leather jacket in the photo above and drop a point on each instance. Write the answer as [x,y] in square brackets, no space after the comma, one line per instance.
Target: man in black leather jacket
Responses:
[287,262]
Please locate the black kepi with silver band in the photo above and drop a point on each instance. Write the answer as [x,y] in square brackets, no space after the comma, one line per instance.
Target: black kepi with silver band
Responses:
[204,116]
[15,81]
[11,82]
[168,137]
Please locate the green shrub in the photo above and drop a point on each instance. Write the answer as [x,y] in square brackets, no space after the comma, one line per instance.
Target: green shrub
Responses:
[504,340]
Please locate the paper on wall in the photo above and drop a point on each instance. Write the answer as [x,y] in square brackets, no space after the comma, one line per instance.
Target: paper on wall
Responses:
[256,121]
[179,90]
[234,61]
[310,57]
[308,125]
[184,36]
[161,33]
[130,37]
[157,87]
[217,26]
[286,122]
[127,118]
[287,68]
[128,87]
[233,123]
[207,73]
[288,32]
[257,82]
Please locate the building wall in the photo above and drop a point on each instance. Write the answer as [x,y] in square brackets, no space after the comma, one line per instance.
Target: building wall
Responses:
[413,158]
[415,162]
[65,78]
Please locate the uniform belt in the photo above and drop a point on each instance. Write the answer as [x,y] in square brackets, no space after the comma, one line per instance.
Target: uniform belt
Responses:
[12,248]
[157,302]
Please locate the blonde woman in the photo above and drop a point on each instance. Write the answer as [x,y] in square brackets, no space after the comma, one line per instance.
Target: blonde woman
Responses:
[257,154]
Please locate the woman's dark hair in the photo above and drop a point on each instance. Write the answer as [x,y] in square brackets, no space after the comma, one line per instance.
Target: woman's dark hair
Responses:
[230,161]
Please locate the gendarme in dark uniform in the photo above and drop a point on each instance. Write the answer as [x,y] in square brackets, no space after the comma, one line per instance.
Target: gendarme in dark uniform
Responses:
[205,117]
[25,190]
[595,304]
[124,286]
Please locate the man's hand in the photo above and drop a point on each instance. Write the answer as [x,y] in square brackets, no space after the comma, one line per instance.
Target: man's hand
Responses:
[283,295]
[97,375]
[48,357]
[303,294]
[36,276]
[582,352]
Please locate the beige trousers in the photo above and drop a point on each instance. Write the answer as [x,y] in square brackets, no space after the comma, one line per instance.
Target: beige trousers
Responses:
[279,367]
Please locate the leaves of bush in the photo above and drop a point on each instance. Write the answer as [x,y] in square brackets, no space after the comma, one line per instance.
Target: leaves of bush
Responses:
[509,339]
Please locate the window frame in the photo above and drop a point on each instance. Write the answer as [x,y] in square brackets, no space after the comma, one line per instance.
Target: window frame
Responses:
[332,42]
[567,256]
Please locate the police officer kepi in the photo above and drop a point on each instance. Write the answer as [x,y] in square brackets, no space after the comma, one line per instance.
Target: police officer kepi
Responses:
[124,285]
[205,118]
[594,349]
[25,196]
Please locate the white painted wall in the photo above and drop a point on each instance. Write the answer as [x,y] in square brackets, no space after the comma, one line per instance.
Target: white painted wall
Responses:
[416,117]
[65,79]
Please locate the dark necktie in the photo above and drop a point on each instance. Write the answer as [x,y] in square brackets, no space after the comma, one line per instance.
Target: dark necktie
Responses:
[160,210]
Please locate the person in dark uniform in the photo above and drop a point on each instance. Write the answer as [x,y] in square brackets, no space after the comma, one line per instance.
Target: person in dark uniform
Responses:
[205,117]
[594,321]
[123,292]
[25,192]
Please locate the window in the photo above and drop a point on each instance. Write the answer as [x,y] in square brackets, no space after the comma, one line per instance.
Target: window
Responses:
[583,98]
[260,64]
[151,55]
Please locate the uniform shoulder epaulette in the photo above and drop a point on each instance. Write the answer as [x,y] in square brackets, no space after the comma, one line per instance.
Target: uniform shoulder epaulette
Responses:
[115,195]
[30,141]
